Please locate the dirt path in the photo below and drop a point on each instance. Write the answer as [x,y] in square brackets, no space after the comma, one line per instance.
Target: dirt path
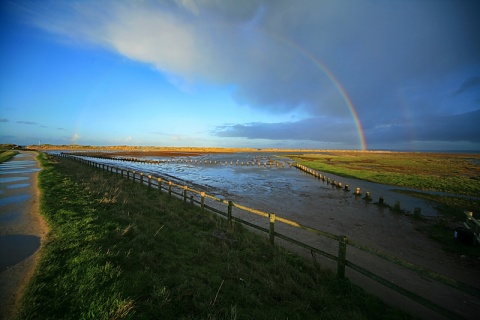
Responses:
[22,230]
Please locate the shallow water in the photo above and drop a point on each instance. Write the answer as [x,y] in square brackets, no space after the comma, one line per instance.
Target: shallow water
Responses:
[16,248]
[281,189]
[12,179]
[14,199]
[18,185]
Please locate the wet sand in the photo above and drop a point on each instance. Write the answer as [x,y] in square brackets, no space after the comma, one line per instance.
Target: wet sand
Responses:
[22,230]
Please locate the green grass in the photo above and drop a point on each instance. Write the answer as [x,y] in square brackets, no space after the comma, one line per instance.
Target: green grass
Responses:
[6,155]
[117,250]
[451,173]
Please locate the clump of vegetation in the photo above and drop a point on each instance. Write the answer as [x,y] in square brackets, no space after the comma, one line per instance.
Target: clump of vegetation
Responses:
[117,249]
[6,155]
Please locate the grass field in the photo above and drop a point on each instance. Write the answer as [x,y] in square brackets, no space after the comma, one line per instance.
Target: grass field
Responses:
[451,173]
[118,250]
[7,155]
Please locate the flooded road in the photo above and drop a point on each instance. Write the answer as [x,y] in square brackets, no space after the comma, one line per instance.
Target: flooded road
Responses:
[21,229]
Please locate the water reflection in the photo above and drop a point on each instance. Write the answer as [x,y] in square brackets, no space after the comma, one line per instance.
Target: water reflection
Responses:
[14,199]
[268,182]
[16,248]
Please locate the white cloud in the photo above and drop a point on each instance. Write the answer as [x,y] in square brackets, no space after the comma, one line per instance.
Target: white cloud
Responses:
[275,53]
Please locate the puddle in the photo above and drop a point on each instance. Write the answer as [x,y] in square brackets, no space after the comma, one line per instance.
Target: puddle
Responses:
[10,200]
[19,171]
[12,179]
[16,248]
[9,217]
[18,185]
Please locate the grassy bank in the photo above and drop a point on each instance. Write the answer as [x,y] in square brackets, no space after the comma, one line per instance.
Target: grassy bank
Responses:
[119,250]
[451,173]
[7,155]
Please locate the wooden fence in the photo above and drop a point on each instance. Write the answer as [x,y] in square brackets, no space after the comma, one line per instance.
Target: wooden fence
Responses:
[196,197]
[473,224]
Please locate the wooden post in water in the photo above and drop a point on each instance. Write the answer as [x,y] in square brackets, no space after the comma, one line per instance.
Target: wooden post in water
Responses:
[368,198]
[229,212]
[272,228]
[381,200]
[342,255]
[357,191]
[417,212]
[397,205]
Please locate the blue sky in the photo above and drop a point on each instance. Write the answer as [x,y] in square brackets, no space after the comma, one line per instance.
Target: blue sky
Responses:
[337,74]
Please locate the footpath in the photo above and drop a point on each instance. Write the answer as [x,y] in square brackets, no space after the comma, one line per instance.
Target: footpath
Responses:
[22,230]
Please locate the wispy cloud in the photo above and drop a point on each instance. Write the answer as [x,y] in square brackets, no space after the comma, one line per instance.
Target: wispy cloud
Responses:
[4,120]
[472,83]
[27,122]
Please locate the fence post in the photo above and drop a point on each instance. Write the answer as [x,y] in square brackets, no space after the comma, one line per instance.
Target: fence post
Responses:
[272,227]
[185,188]
[141,178]
[229,215]
[397,206]
[159,185]
[170,188]
[202,200]
[128,174]
[149,181]
[342,255]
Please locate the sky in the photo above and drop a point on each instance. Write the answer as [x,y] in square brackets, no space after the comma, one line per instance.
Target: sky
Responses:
[320,74]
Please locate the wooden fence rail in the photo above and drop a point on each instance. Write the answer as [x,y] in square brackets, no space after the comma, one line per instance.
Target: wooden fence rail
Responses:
[181,192]
[473,224]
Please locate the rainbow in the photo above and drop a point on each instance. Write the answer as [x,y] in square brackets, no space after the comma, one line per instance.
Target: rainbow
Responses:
[331,76]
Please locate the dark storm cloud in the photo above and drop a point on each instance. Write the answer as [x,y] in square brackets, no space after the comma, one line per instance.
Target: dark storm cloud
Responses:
[449,128]
[394,59]
[313,129]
